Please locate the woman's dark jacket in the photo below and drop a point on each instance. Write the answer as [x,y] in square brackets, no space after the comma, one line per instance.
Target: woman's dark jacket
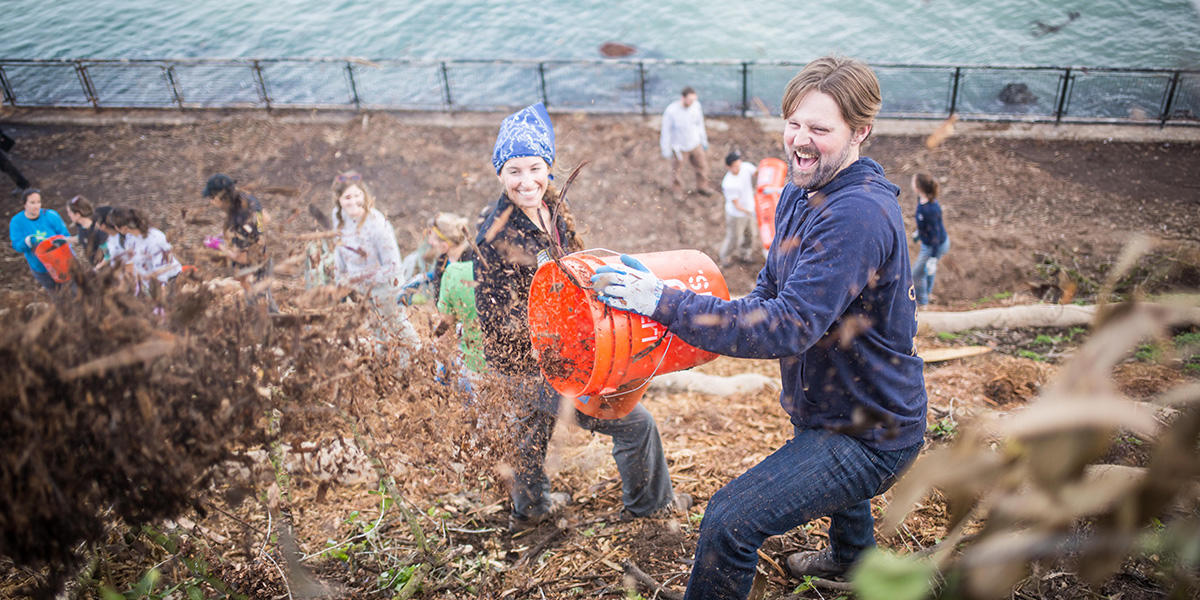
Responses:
[508,244]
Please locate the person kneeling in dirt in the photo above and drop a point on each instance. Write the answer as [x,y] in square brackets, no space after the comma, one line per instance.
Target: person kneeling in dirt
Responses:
[366,257]
[514,238]
[836,306]
[242,242]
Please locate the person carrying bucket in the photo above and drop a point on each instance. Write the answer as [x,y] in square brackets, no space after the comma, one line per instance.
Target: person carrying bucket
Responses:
[512,240]
[836,306]
[29,228]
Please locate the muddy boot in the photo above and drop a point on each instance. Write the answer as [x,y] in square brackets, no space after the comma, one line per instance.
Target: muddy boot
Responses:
[557,502]
[816,563]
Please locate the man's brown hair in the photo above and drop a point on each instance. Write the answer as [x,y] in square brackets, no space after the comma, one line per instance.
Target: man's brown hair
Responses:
[850,82]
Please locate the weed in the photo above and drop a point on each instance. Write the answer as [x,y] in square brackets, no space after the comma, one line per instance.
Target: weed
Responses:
[944,428]
[1148,353]
[947,336]
[805,585]
[1031,355]
[993,298]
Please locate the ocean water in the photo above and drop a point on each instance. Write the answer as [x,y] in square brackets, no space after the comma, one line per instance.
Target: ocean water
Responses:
[1097,33]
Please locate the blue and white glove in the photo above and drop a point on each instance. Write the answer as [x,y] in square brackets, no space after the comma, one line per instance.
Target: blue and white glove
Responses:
[634,289]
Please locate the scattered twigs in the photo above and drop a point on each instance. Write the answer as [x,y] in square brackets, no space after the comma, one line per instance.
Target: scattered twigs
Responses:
[640,576]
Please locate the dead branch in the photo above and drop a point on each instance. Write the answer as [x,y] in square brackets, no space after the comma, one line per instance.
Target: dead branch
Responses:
[640,576]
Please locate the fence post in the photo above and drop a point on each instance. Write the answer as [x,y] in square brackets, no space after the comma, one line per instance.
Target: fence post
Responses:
[745,88]
[169,70]
[954,90]
[446,86]
[1062,97]
[1169,99]
[353,86]
[542,81]
[262,84]
[86,82]
[642,85]
[9,96]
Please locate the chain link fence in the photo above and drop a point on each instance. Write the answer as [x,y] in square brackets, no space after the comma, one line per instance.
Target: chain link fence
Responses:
[981,93]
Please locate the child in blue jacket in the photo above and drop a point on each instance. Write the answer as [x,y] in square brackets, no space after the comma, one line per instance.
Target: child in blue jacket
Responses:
[931,233]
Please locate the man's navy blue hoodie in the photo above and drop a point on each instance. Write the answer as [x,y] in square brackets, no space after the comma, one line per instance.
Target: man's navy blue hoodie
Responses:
[835,304]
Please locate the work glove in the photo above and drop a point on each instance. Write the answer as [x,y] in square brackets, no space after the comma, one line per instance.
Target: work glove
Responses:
[31,241]
[634,289]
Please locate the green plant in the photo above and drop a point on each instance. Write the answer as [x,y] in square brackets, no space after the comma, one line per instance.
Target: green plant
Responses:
[805,585]
[1148,352]
[200,582]
[993,297]
[1047,340]
[881,575]
[948,336]
[1031,355]
[944,428]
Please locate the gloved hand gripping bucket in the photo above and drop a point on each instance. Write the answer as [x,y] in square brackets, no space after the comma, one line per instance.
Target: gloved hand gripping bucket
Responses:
[603,357]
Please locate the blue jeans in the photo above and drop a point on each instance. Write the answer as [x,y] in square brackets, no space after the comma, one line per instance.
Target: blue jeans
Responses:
[46,281]
[923,274]
[816,473]
[637,450]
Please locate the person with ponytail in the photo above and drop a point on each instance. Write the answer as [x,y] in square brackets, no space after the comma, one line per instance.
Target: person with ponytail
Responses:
[515,238]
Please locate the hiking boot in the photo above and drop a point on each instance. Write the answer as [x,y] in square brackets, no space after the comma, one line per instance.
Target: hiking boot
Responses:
[557,502]
[679,505]
[816,563]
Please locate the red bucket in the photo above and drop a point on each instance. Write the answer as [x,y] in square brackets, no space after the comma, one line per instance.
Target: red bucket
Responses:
[770,179]
[601,356]
[55,254]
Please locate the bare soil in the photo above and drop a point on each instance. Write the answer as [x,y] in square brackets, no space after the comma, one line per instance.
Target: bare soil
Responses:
[1028,219]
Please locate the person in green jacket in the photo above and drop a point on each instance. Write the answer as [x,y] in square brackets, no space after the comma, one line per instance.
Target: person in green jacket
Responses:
[447,235]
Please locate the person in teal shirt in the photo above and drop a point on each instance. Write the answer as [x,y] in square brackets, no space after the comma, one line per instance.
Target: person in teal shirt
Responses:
[29,227]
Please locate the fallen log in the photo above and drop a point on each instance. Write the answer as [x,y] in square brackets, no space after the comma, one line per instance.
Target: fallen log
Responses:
[1031,315]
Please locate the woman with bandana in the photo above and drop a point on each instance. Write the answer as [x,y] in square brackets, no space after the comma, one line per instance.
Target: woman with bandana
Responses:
[515,237]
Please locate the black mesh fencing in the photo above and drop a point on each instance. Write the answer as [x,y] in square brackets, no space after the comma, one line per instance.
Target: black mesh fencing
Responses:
[981,93]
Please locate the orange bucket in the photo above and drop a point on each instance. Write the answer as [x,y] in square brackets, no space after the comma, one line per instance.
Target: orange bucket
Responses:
[601,356]
[771,177]
[55,254]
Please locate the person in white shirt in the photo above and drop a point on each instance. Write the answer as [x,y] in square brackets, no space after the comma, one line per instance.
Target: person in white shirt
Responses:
[683,138]
[367,258]
[147,251]
[738,187]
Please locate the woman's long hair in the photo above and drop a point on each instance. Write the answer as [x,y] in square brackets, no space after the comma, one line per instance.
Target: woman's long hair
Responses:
[123,216]
[340,184]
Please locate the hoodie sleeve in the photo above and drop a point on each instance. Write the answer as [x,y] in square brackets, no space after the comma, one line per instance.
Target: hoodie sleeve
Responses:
[389,252]
[664,136]
[834,263]
[15,238]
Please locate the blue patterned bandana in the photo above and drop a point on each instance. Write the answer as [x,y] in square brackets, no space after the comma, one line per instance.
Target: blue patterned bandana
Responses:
[527,132]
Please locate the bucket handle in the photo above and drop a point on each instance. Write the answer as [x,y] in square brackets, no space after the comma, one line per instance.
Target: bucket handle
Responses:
[669,336]
[656,367]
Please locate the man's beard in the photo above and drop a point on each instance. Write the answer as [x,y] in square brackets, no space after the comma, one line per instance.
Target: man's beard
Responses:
[823,174]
